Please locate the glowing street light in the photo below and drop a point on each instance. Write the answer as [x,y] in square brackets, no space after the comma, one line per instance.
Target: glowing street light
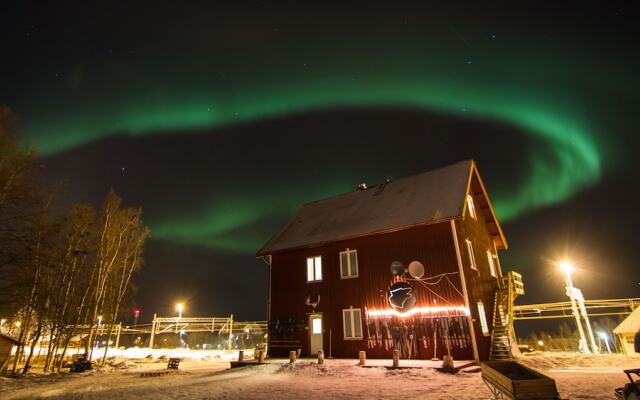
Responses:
[2,321]
[179,308]
[566,267]
[540,343]
[578,309]
[18,323]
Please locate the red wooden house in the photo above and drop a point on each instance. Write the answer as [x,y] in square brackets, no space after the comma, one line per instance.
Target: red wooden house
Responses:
[410,264]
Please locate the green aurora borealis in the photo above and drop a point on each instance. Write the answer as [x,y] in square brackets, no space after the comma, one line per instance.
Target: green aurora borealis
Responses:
[503,79]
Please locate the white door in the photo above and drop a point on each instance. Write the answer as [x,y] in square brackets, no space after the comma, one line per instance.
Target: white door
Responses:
[315,333]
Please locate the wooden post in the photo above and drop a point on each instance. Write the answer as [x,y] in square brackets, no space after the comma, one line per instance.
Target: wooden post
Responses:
[261,354]
[241,355]
[396,358]
[447,364]
[363,358]
[320,357]
[292,356]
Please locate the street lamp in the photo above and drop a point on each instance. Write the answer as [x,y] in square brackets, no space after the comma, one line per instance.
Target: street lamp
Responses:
[577,307]
[179,308]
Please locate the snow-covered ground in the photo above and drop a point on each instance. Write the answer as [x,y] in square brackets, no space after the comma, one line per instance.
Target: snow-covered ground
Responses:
[577,377]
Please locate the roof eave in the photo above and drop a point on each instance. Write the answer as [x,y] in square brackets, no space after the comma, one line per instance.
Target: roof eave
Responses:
[501,242]
[264,252]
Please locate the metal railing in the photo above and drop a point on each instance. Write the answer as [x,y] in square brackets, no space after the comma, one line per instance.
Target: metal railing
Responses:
[562,309]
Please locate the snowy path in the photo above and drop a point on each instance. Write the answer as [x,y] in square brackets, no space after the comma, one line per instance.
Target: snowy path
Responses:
[337,379]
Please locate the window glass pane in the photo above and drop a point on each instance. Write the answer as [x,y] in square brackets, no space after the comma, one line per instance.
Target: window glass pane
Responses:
[353,257]
[346,316]
[318,268]
[472,259]
[357,322]
[310,269]
[483,319]
[343,265]
[492,266]
[471,206]
[316,326]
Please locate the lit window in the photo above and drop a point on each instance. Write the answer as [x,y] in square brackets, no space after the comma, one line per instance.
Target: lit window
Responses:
[472,259]
[471,206]
[314,269]
[492,264]
[316,327]
[352,323]
[483,319]
[348,264]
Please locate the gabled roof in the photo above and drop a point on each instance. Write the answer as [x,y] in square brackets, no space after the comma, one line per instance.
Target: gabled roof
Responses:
[421,199]
[9,338]
[631,324]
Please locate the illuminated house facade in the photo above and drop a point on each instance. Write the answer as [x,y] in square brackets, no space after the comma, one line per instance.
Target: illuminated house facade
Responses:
[410,264]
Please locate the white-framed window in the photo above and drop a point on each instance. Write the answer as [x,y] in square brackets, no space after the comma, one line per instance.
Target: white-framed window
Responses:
[492,264]
[471,207]
[483,319]
[352,323]
[314,269]
[472,258]
[348,264]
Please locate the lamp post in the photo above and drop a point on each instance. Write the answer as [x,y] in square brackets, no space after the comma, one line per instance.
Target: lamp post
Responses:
[179,308]
[577,307]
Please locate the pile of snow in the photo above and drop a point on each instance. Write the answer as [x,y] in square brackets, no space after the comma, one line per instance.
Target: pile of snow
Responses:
[567,360]
[185,354]
[336,379]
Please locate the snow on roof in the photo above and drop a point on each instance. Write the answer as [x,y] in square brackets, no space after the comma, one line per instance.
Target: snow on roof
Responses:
[631,324]
[415,200]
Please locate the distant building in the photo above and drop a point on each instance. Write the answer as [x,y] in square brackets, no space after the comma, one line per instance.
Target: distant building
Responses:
[331,283]
[627,330]
[6,347]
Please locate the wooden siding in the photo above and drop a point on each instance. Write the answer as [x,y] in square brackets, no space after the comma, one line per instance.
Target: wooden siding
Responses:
[480,283]
[6,347]
[432,245]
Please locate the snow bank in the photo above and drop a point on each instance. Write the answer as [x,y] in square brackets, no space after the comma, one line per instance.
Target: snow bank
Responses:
[566,360]
[336,379]
[145,352]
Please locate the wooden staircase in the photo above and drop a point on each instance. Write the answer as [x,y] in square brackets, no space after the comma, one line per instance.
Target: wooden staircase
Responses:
[502,335]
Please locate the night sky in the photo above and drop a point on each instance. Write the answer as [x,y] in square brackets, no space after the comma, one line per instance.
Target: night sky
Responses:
[221,120]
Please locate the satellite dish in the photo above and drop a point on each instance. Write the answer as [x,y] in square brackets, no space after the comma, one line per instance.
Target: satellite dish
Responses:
[416,269]
[401,297]
[397,268]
